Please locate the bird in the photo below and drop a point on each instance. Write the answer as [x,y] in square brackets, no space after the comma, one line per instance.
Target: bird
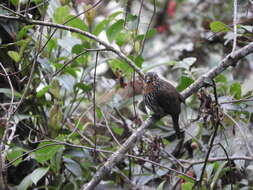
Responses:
[162,98]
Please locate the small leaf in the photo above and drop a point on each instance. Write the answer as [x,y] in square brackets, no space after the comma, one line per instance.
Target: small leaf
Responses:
[131,18]
[221,78]
[52,44]
[37,174]
[122,38]
[114,29]
[83,87]
[22,33]
[60,14]
[118,64]
[186,178]
[218,26]
[217,175]
[187,186]
[42,92]
[114,15]
[99,113]
[151,33]
[76,23]
[235,90]
[14,55]
[15,2]
[47,152]
[139,60]
[117,130]
[25,183]
[184,83]
[73,167]
[14,153]
[100,27]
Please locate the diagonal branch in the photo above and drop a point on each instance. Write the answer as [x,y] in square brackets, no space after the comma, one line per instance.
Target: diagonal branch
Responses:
[76,30]
[119,154]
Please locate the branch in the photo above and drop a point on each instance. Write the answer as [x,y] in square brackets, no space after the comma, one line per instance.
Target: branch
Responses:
[76,30]
[117,156]
[225,63]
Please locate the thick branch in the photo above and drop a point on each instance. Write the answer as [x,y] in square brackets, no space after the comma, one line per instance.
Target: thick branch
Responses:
[76,30]
[118,155]
[225,63]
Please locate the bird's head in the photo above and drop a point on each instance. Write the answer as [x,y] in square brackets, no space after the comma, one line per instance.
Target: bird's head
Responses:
[150,78]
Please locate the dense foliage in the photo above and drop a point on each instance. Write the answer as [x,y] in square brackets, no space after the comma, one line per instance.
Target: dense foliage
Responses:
[68,101]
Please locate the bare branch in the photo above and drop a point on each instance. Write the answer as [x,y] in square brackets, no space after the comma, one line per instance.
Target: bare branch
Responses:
[76,30]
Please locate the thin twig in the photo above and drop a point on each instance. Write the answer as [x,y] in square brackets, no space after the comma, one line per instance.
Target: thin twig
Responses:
[245,138]
[216,123]
[109,129]
[10,110]
[149,25]
[94,100]
[235,26]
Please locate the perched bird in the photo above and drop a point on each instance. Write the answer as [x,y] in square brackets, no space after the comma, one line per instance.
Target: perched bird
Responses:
[162,99]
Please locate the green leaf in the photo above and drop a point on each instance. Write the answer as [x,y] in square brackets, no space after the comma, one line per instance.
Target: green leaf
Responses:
[83,87]
[114,15]
[99,113]
[186,178]
[47,152]
[60,15]
[151,33]
[14,55]
[235,90]
[117,130]
[217,175]
[73,167]
[114,29]
[67,69]
[56,161]
[131,18]
[187,186]
[37,174]
[52,44]
[42,92]
[22,33]
[14,153]
[101,26]
[221,78]
[76,23]
[139,60]
[122,38]
[25,183]
[15,2]
[184,83]
[118,64]
[218,26]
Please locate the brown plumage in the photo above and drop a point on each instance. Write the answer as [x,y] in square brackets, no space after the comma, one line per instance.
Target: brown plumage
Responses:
[162,99]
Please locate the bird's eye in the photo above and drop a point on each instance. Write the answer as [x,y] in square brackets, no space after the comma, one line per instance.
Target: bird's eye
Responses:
[148,79]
